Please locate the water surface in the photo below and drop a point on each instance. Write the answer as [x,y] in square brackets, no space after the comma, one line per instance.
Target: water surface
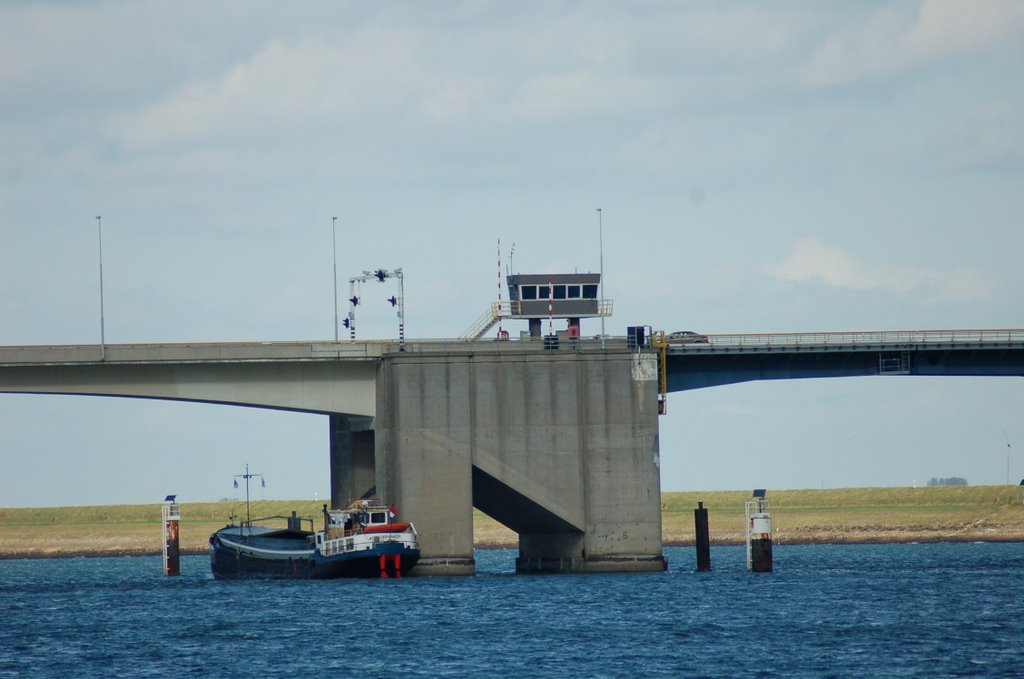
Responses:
[828,610]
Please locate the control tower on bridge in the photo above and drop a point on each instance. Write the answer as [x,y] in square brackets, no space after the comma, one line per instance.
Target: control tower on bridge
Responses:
[539,297]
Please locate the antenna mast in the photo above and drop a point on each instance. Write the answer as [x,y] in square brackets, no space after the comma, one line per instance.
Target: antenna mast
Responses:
[247,476]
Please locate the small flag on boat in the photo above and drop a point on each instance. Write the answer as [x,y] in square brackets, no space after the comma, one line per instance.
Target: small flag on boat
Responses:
[392,512]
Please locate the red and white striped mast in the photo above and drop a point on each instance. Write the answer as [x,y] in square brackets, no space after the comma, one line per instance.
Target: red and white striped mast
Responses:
[501,331]
[551,325]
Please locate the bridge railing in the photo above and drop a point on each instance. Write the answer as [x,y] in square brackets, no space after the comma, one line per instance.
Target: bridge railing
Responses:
[881,337]
[199,352]
[493,345]
[725,341]
[374,349]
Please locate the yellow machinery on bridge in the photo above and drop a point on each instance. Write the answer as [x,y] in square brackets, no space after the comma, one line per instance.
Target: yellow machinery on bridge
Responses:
[659,342]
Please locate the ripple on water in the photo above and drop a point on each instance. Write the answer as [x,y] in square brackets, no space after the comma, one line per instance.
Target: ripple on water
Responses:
[827,610]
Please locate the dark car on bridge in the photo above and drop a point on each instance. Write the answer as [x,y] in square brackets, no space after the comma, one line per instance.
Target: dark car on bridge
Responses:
[687,337]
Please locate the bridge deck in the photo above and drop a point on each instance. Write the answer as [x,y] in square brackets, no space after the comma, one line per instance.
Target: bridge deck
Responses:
[224,352]
[865,341]
[728,359]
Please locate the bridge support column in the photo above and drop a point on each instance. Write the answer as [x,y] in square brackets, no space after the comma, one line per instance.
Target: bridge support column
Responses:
[353,470]
[423,457]
[562,449]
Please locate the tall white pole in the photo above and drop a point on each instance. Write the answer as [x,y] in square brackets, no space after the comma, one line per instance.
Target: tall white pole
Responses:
[334,252]
[103,339]
[600,237]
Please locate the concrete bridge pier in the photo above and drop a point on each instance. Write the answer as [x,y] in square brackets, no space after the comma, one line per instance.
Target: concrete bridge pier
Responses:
[560,447]
[353,470]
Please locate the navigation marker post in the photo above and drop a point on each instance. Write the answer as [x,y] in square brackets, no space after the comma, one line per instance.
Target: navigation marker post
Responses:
[171,513]
[759,533]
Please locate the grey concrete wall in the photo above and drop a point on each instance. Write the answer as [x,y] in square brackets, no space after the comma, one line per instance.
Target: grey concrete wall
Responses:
[561,447]
[353,466]
[424,458]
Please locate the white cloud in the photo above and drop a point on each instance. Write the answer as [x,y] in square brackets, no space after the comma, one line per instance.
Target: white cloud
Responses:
[568,65]
[291,84]
[815,260]
[894,39]
[376,77]
[569,94]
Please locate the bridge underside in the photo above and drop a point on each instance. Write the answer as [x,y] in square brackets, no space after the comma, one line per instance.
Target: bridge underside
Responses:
[709,367]
[315,387]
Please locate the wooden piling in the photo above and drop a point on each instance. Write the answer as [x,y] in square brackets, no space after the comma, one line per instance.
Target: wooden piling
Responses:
[700,520]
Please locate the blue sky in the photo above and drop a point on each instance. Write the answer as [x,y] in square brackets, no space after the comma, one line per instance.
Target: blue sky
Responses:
[760,168]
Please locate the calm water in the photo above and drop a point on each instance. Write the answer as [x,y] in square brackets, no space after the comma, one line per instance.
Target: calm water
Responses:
[845,611]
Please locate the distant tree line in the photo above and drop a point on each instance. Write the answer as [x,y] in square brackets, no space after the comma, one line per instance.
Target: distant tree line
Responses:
[950,481]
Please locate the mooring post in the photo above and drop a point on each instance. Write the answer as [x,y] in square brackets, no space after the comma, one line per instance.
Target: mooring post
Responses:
[172,554]
[700,520]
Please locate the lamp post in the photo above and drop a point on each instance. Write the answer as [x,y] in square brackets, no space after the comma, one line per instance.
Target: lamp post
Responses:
[103,339]
[334,253]
[600,240]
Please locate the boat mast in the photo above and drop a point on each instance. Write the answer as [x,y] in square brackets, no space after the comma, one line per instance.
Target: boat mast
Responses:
[247,476]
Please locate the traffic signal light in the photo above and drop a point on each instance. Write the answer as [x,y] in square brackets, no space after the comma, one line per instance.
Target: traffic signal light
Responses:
[393,300]
[346,323]
[381,274]
[354,300]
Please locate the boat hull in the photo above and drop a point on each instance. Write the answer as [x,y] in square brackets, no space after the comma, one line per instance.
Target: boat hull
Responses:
[238,556]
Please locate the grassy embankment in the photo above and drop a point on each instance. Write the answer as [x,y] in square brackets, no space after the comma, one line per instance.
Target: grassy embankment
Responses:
[806,516]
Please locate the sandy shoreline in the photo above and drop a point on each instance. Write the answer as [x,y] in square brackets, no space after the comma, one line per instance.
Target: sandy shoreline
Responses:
[18,549]
[831,516]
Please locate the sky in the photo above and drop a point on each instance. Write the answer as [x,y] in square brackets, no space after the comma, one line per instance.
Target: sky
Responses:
[782,167]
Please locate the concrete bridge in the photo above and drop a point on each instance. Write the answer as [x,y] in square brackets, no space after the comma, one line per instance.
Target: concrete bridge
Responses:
[559,442]
[728,359]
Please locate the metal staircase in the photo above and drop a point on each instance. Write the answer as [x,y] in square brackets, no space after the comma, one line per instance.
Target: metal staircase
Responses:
[488,320]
